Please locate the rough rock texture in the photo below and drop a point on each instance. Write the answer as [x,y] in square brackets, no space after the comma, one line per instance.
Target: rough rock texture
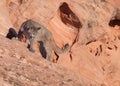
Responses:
[91,27]
[5,21]
[19,67]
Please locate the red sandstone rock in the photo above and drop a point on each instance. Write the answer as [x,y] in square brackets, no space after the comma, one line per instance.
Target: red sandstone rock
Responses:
[91,27]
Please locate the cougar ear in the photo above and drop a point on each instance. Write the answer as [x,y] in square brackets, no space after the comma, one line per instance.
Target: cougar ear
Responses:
[38,28]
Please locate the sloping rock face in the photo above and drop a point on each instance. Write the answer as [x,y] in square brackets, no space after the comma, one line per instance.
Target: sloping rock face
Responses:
[5,21]
[91,27]
[19,67]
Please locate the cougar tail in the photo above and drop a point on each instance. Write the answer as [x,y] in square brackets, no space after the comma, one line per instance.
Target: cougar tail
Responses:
[59,50]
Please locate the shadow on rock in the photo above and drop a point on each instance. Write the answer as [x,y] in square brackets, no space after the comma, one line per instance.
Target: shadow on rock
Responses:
[11,33]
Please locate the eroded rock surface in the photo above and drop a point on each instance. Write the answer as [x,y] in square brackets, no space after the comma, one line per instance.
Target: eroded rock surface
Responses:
[91,27]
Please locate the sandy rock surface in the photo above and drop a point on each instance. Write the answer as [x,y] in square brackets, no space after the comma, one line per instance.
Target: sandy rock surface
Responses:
[91,27]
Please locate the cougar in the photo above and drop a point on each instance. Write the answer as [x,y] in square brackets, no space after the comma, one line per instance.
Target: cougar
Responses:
[36,31]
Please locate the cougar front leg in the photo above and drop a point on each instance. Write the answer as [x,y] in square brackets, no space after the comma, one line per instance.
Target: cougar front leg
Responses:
[49,55]
[31,48]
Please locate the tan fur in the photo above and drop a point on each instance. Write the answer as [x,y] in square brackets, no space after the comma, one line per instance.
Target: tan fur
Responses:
[35,31]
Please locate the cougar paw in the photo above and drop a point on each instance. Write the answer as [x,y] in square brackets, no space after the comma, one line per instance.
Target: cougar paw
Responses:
[32,50]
